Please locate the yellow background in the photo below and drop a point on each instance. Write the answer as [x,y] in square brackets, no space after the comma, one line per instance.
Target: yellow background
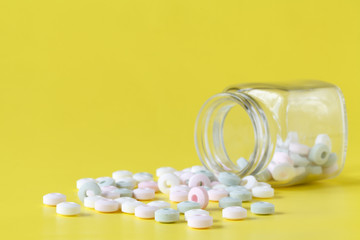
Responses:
[90,87]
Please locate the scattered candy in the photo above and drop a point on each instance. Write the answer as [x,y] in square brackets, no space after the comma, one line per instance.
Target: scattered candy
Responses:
[52,199]
[262,208]
[68,208]
[229,202]
[144,193]
[199,195]
[193,212]
[145,211]
[166,215]
[106,205]
[166,181]
[234,213]
[200,221]
[187,205]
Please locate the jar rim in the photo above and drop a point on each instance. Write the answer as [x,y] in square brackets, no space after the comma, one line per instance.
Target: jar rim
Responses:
[209,140]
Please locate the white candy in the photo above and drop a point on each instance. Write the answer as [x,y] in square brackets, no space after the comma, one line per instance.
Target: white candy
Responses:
[234,213]
[106,205]
[121,174]
[263,192]
[89,202]
[52,199]
[262,184]
[129,207]
[249,182]
[143,176]
[159,204]
[282,172]
[164,170]
[179,188]
[193,212]
[195,169]
[315,170]
[166,181]
[122,200]
[323,139]
[144,193]
[68,208]
[242,163]
[80,182]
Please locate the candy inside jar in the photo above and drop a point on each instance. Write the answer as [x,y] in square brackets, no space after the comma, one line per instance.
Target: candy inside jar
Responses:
[284,134]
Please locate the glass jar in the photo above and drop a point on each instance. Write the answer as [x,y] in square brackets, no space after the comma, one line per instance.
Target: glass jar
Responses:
[284,134]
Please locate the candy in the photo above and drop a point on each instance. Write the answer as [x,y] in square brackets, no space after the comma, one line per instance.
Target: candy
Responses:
[89,202]
[88,186]
[217,194]
[299,149]
[199,179]
[166,215]
[193,212]
[121,174]
[106,205]
[144,193]
[159,204]
[243,195]
[187,205]
[228,178]
[145,211]
[263,192]
[249,182]
[105,181]
[242,163]
[319,154]
[143,176]
[199,195]
[200,221]
[129,206]
[164,170]
[323,139]
[229,201]
[178,196]
[80,182]
[52,199]
[166,181]
[149,184]
[262,208]
[68,208]
[234,213]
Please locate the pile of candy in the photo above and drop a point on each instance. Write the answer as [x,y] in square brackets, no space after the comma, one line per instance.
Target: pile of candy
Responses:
[294,162]
[191,188]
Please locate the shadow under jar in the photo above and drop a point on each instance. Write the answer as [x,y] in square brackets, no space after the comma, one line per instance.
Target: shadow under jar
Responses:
[283,134]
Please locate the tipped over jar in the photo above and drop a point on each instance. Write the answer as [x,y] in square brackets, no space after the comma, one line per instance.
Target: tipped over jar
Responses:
[284,134]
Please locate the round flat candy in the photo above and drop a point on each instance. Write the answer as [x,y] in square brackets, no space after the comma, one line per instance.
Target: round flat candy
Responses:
[106,205]
[52,199]
[234,213]
[145,211]
[243,195]
[263,192]
[200,221]
[193,212]
[319,154]
[229,178]
[159,204]
[262,208]
[68,208]
[166,215]
[88,186]
[229,202]
[187,205]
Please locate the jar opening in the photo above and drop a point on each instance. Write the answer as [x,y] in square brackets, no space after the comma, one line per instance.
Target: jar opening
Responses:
[230,126]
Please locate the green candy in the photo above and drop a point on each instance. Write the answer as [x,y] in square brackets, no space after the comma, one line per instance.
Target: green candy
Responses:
[187,205]
[229,202]
[89,186]
[243,195]
[263,176]
[229,179]
[331,160]
[262,208]
[167,215]
[319,154]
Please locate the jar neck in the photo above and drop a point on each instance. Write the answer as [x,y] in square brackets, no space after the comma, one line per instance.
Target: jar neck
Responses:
[209,137]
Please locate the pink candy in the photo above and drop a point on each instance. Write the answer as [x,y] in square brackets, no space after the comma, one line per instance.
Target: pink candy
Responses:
[199,180]
[299,149]
[144,193]
[106,205]
[281,157]
[178,196]
[149,184]
[217,194]
[199,195]
[185,177]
